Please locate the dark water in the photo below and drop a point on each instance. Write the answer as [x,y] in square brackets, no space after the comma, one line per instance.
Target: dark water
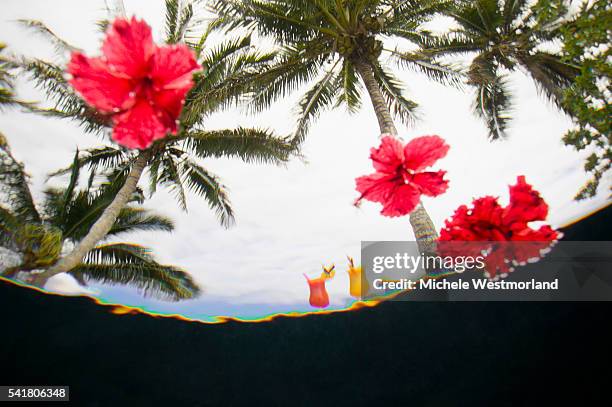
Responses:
[396,354]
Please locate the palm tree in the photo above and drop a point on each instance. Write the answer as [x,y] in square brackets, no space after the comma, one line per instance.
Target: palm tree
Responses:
[229,69]
[7,86]
[505,36]
[330,44]
[6,82]
[38,236]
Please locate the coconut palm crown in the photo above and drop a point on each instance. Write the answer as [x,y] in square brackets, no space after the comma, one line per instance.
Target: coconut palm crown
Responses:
[39,234]
[505,36]
[329,45]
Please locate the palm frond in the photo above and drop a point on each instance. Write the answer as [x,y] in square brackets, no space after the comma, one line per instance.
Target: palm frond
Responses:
[221,55]
[493,101]
[7,98]
[102,158]
[172,20]
[133,265]
[422,62]
[115,9]
[350,87]
[68,194]
[294,68]
[208,185]
[103,25]
[178,17]
[452,43]
[38,27]
[8,226]
[318,98]
[185,20]
[404,18]
[76,216]
[248,144]
[50,79]
[14,183]
[480,17]
[170,177]
[39,244]
[231,72]
[7,219]
[281,19]
[550,74]
[400,106]
[132,219]
[154,168]
[7,79]
[513,9]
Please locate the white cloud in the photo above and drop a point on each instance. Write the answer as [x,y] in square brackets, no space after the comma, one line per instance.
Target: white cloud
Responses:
[65,284]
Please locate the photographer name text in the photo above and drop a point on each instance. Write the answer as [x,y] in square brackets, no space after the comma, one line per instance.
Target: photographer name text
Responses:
[477,284]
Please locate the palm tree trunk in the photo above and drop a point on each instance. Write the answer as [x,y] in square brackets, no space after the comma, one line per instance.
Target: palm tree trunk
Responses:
[422,225]
[385,121]
[102,226]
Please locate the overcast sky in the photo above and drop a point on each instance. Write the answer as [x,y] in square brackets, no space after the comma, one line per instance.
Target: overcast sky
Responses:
[292,220]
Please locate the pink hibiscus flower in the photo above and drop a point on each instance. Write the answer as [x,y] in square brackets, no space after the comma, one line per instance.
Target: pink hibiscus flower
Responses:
[141,85]
[399,180]
[502,234]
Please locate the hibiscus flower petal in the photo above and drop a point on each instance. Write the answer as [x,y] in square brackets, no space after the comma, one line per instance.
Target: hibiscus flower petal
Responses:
[172,75]
[526,205]
[376,187]
[138,127]
[431,183]
[173,67]
[169,121]
[544,234]
[389,156]
[423,152]
[128,47]
[168,105]
[530,245]
[480,223]
[93,80]
[487,209]
[497,264]
[401,201]
[459,218]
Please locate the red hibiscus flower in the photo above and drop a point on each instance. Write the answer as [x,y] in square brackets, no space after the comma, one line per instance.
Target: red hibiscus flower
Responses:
[142,85]
[399,180]
[502,234]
